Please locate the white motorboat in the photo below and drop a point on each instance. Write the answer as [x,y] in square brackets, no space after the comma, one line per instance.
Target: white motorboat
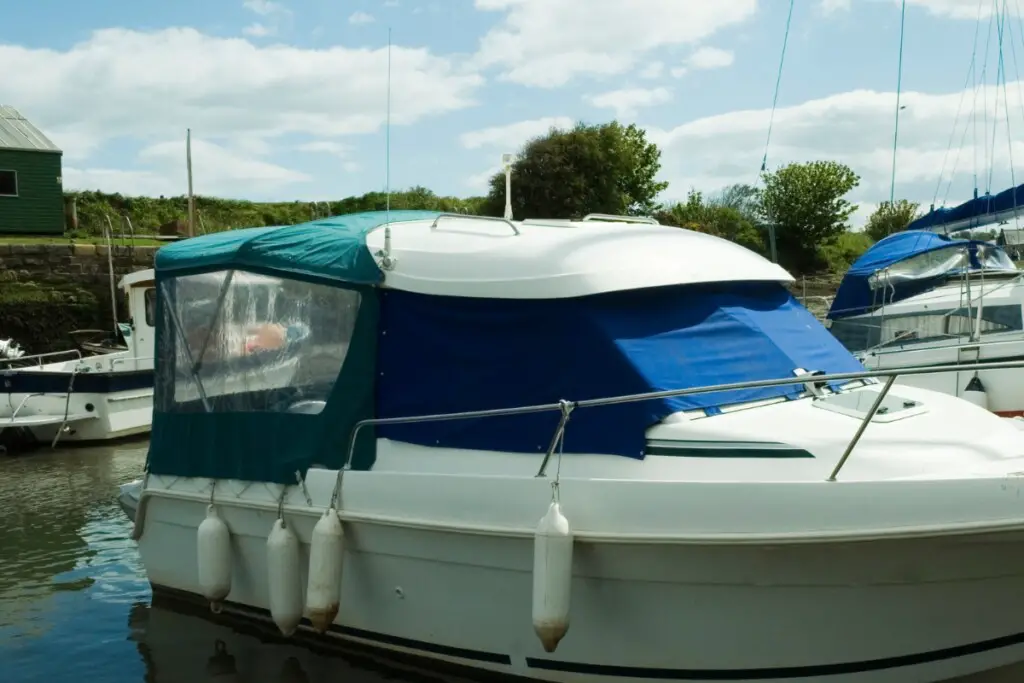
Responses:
[70,397]
[448,474]
[918,298]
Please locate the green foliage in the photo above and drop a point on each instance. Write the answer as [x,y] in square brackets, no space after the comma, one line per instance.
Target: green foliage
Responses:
[608,168]
[839,255]
[743,198]
[714,219]
[147,214]
[889,218]
[806,204]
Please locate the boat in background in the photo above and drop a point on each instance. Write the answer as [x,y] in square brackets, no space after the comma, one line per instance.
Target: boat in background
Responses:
[723,492]
[66,396]
[919,298]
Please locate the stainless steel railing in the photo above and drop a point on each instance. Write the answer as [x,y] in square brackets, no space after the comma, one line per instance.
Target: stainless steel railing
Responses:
[566,407]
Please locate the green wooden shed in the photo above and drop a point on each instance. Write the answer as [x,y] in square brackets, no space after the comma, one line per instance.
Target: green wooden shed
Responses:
[31,189]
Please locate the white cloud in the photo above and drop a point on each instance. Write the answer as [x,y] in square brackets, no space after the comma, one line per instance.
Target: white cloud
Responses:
[855,128]
[326,147]
[547,43]
[710,58]
[216,170]
[221,88]
[258,30]
[652,71]
[832,6]
[704,58]
[272,15]
[360,18]
[513,136]
[627,102]
[265,8]
[954,9]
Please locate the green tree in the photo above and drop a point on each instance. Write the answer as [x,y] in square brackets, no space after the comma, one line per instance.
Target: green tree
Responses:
[806,204]
[606,168]
[714,219]
[742,197]
[890,217]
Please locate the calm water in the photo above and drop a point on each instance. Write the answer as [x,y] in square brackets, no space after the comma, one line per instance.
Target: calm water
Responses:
[75,605]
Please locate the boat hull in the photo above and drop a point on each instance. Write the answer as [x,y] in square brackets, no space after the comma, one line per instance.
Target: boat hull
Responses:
[901,609]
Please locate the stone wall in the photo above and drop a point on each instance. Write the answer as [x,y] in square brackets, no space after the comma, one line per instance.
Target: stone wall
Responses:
[48,290]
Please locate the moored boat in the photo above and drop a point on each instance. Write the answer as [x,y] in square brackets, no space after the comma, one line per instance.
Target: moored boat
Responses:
[497,448]
[918,298]
[68,396]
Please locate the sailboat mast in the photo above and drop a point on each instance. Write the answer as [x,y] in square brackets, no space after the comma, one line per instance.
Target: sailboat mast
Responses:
[191,198]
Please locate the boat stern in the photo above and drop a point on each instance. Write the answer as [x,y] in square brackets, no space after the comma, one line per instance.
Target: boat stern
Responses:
[128,497]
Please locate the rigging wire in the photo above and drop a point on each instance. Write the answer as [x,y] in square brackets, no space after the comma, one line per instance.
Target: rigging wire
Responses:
[1000,76]
[778,81]
[984,95]
[971,75]
[899,89]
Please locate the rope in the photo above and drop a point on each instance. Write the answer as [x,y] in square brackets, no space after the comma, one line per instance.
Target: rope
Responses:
[778,82]
[899,89]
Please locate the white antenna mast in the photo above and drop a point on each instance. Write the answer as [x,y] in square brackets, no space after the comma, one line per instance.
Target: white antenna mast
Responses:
[506,163]
[386,261]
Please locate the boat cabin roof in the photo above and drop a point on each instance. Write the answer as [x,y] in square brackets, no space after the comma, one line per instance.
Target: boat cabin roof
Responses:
[140,278]
[473,256]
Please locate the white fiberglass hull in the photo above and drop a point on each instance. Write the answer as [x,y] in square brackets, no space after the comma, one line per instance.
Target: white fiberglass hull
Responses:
[903,601]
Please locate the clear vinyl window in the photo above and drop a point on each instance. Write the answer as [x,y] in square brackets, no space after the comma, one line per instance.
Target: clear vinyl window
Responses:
[241,342]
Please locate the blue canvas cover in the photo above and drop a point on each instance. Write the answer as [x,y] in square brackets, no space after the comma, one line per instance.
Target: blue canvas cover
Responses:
[451,354]
[972,213]
[855,295]
[332,248]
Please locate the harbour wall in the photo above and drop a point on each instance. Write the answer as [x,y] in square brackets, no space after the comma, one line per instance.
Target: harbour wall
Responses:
[48,290]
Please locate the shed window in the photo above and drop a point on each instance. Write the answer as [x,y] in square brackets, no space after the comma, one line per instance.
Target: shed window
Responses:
[8,183]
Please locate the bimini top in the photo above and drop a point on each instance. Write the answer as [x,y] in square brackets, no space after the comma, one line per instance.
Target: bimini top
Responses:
[444,254]
[908,263]
[973,213]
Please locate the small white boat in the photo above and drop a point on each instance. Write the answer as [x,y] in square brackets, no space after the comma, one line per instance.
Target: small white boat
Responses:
[69,397]
[499,450]
[918,298]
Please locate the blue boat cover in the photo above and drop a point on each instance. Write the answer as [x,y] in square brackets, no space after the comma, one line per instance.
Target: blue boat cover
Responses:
[332,248]
[980,208]
[855,295]
[450,354]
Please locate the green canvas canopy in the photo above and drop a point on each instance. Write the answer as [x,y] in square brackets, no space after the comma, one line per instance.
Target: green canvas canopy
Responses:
[266,349]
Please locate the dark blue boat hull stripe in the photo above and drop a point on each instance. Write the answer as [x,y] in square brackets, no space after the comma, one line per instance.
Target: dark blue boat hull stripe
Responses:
[14,382]
[767,674]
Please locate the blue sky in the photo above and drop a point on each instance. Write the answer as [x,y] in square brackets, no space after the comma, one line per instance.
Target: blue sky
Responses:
[286,98]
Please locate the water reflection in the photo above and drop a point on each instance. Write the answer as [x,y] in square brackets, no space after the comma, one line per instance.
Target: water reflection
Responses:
[57,532]
[188,646]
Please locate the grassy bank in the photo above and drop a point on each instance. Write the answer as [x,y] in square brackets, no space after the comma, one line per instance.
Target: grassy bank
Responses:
[148,214]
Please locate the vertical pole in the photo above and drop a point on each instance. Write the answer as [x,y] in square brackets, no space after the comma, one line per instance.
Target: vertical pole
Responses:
[191,198]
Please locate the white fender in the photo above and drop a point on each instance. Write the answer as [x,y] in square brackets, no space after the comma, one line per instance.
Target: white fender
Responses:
[326,553]
[213,551]
[975,393]
[284,579]
[552,577]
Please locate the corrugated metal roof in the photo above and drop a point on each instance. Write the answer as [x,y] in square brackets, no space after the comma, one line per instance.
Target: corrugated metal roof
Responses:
[17,133]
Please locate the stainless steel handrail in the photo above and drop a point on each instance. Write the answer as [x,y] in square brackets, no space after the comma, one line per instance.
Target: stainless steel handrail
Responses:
[494,219]
[565,407]
[39,356]
[621,219]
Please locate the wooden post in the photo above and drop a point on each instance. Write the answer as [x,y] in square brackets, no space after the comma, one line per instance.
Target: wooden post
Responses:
[70,214]
[191,198]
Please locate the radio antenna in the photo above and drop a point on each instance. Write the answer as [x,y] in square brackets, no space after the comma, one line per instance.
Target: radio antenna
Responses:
[387,137]
[386,261]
